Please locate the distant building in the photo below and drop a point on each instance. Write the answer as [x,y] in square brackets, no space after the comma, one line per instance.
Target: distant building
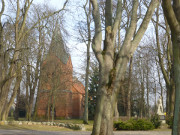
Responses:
[57,80]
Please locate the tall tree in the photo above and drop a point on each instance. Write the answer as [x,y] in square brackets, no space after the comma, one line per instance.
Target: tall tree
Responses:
[1,38]
[112,62]
[172,13]
[13,75]
[168,72]
[88,22]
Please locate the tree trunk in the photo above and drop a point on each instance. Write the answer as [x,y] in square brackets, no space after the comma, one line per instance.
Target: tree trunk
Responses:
[147,88]
[37,98]
[169,73]
[172,99]
[49,105]
[129,90]
[155,91]
[1,51]
[85,119]
[53,107]
[16,112]
[107,116]
[11,101]
[30,105]
[4,96]
[176,60]
[171,12]
[116,112]
[142,99]
[113,64]
[123,98]
[98,112]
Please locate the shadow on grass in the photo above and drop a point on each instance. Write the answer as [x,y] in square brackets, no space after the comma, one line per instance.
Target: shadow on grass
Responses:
[13,127]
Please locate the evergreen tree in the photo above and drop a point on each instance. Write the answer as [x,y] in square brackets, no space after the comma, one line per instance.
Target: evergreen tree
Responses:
[93,86]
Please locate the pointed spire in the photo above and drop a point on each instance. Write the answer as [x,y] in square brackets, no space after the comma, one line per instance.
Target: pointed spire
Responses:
[57,46]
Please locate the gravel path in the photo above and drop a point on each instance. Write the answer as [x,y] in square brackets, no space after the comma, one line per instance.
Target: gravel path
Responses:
[32,132]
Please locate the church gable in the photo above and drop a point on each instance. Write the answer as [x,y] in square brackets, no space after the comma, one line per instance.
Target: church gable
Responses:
[57,82]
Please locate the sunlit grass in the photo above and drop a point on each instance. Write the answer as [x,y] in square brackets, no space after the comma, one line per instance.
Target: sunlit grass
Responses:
[34,127]
[88,126]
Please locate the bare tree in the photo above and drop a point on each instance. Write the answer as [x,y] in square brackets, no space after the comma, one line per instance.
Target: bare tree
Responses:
[171,11]
[113,62]
[14,69]
[88,40]
[164,49]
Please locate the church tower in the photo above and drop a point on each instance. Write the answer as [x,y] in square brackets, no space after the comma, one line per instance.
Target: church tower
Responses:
[56,80]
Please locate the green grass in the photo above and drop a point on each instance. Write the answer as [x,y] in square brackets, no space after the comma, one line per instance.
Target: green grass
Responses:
[159,129]
[88,126]
[164,127]
[74,121]
[34,127]
[48,128]
[55,128]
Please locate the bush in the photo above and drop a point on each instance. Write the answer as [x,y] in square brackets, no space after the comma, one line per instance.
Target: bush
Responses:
[155,119]
[143,124]
[169,121]
[133,124]
[119,125]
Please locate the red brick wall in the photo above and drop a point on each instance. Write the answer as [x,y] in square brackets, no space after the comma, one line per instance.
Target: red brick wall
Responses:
[76,105]
[54,71]
[56,75]
[63,104]
[42,103]
[78,100]
[69,95]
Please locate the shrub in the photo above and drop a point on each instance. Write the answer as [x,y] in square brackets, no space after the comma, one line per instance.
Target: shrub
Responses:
[143,124]
[169,121]
[155,119]
[119,125]
[133,124]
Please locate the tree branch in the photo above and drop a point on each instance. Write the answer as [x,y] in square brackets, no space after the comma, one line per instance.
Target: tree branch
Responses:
[132,27]
[108,13]
[46,16]
[118,17]
[159,50]
[176,7]
[2,9]
[96,44]
[170,15]
[138,36]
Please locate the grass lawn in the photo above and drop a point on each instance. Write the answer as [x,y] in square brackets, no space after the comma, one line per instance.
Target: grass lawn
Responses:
[88,127]
[164,127]
[47,128]
[34,127]
[55,128]
[78,121]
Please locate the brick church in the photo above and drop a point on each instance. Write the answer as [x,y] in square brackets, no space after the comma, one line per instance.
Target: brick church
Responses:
[57,85]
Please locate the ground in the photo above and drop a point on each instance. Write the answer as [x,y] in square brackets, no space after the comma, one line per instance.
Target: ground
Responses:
[49,130]
[33,132]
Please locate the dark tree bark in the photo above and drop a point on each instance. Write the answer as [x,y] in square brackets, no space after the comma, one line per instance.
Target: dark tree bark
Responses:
[172,12]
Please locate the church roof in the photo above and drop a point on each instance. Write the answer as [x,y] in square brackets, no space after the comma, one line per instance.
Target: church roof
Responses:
[78,87]
[58,46]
